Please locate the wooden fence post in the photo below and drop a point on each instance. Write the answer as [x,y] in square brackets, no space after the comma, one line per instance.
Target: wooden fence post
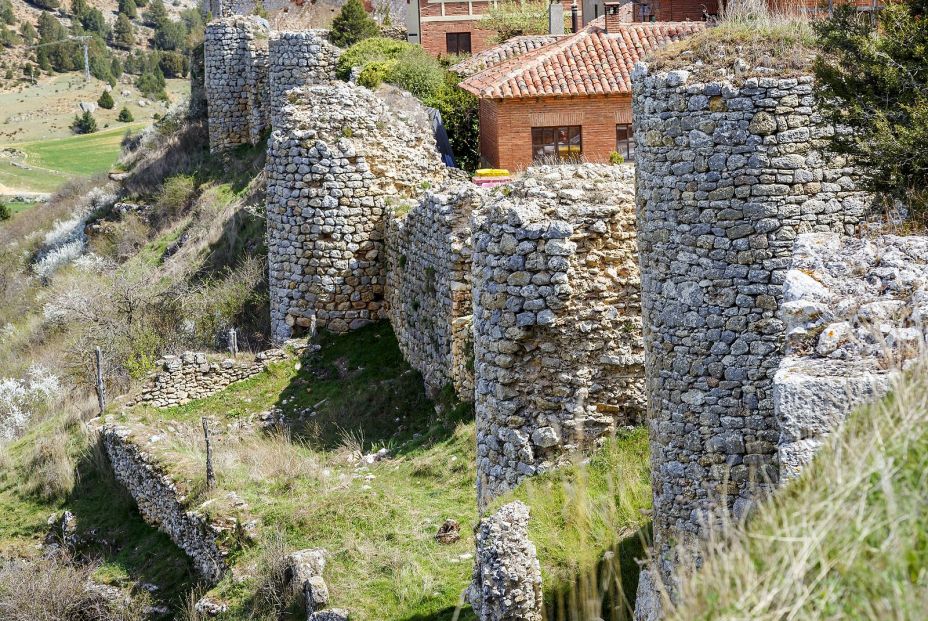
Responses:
[101,389]
[210,475]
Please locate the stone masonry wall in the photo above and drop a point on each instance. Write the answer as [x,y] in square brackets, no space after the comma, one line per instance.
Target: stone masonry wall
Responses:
[228,8]
[160,503]
[856,314]
[727,176]
[193,375]
[298,59]
[337,155]
[557,341]
[428,289]
[235,63]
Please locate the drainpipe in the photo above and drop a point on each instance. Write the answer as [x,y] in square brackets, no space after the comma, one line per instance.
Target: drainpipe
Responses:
[573,17]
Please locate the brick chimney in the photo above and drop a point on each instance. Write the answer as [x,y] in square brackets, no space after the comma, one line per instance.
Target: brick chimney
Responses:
[616,14]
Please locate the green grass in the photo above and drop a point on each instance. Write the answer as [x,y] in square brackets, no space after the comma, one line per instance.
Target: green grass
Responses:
[847,540]
[378,520]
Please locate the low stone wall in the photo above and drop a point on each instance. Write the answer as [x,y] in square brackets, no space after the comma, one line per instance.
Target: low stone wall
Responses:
[161,505]
[336,157]
[193,375]
[856,314]
[298,59]
[235,60]
[428,289]
[557,332]
[729,173]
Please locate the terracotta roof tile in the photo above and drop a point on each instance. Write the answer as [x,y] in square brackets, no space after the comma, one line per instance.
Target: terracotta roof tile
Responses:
[591,62]
[516,46]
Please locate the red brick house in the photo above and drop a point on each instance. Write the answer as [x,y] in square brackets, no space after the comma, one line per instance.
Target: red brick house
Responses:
[568,99]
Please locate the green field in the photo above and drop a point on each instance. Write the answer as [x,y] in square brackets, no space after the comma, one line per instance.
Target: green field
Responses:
[53,162]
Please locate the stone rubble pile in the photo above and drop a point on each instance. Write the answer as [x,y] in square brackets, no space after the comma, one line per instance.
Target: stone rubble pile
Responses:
[856,313]
[557,328]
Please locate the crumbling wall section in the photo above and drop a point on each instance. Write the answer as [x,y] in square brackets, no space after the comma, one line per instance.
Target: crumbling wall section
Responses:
[160,504]
[299,59]
[337,155]
[557,332]
[428,285]
[856,314]
[728,175]
[235,61]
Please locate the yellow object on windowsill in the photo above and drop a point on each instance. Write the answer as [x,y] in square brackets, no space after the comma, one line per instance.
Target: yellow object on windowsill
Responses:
[491,172]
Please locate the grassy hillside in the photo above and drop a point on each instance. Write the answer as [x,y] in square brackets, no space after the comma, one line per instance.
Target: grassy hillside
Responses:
[848,540]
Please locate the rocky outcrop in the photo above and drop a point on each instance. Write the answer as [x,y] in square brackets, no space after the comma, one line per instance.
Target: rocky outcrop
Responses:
[194,375]
[856,313]
[507,575]
[557,332]
[161,504]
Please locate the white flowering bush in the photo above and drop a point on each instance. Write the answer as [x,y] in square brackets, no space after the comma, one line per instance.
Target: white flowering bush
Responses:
[21,398]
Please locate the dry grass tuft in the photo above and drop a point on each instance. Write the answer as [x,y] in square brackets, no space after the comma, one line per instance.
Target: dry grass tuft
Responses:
[847,540]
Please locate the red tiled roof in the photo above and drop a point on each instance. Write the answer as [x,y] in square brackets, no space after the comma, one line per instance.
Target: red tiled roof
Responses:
[516,46]
[591,62]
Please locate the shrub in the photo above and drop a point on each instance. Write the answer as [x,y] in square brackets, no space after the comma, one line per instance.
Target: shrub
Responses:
[417,72]
[615,158]
[128,8]
[874,86]
[125,116]
[352,24]
[123,32]
[460,114]
[84,124]
[151,84]
[176,196]
[374,73]
[106,101]
[374,49]
[5,212]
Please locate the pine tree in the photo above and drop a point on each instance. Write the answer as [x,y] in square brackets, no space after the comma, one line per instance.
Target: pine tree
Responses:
[128,8]
[352,24]
[84,124]
[28,33]
[123,33]
[78,8]
[156,14]
[125,116]
[106,101]
[6,12]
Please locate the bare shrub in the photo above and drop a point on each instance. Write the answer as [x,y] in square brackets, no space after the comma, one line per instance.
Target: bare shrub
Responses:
[53,590]
[271,572]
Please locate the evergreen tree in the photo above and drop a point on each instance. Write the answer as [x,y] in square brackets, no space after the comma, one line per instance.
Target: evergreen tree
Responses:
[93,22]
[128,8]
[27,32]
[874,83]
[78,8]
[5,212]
[84,124]
[6,12]
[48,5]
[156,14]
[116,67]
[125,116]
[123,33]
[170,35]
[106,101]
[352,24]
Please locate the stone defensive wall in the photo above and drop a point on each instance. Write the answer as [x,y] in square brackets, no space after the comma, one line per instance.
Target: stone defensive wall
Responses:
[235,61]
[557,320]
[160,504]
[729,174]
[228,8]
[428,285]
[856,313]
[298,59]
[194,375]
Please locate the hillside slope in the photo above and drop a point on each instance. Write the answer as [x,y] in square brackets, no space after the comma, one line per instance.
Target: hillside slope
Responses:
[847,540]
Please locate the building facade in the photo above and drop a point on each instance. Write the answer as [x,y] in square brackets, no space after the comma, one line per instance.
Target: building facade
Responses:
[569,99]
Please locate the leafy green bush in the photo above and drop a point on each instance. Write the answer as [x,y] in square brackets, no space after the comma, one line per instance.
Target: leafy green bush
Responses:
[374,73]
[106,101]
[352,24]
[5,212]
[84,124]
[125,116]
[616,158]
[460,113]
[176,195]
[874,85]
[417,72]
[374,49]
